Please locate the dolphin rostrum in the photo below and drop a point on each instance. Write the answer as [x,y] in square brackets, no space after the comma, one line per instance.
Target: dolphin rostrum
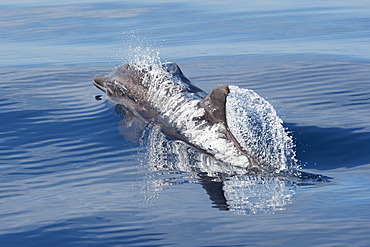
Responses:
[162,96]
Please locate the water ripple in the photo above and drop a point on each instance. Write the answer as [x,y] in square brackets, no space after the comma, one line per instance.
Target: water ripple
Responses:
[58,142]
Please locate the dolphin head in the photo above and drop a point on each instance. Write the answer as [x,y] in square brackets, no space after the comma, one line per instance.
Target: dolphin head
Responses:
[125,83]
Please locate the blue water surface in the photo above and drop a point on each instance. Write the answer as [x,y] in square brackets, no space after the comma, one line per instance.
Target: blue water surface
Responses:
[68,178]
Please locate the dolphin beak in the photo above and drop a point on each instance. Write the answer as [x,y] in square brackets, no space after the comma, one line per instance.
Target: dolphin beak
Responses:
[100,82]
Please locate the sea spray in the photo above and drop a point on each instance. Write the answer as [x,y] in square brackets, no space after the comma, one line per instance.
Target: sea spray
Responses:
[251,119]
[255,124]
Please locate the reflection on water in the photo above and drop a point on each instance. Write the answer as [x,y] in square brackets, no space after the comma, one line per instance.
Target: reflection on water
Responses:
[173,163]
[257,195]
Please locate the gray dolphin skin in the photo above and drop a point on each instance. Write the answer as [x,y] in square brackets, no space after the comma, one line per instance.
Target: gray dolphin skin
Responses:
[129,86]
[124,87]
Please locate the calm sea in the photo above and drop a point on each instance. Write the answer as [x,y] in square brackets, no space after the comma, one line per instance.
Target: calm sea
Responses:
[68,178]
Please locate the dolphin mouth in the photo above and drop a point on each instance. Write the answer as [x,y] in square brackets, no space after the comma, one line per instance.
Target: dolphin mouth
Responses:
[100,82]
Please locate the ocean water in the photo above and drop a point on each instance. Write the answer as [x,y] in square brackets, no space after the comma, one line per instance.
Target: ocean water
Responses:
[68,178]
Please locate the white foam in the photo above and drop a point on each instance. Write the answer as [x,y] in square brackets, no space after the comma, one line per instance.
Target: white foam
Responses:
[256,126]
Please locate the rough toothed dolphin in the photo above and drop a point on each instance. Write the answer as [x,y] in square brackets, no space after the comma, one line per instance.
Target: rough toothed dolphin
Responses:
[161,95]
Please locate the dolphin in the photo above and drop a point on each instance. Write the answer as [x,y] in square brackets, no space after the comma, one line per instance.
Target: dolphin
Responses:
[162,96]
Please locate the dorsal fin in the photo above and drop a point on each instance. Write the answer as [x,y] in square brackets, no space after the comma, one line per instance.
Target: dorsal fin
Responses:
[215,104]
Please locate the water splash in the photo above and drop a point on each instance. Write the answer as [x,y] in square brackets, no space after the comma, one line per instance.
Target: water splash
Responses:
[255,124]
[137,50]
[250,118]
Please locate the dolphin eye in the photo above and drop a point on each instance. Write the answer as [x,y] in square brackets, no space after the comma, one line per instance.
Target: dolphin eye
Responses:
[123,94]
